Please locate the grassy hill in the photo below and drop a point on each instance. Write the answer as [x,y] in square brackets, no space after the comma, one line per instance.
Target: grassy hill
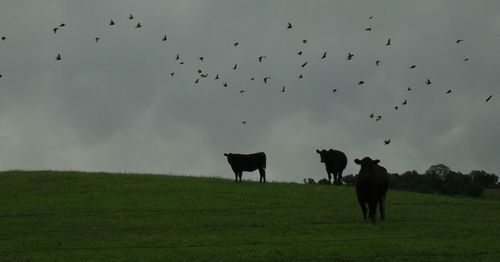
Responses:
[71,216]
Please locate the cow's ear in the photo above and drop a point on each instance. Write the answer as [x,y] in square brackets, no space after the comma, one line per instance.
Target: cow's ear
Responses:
[317,151]
[357,161]
[226,154]
[376,161]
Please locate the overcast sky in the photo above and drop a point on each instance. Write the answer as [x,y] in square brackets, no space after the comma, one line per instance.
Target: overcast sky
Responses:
[113,106]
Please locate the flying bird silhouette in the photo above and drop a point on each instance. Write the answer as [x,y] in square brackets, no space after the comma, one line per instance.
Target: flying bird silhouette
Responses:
[299,53]
[396,108]
[379,117]
[334,90]
[3,38]
[111,22]
[301,76]
[377,62]
[413,66]
[242,91]
[235,66]
[199,71]
[236,43]
[404,102]
[181,63]
[349,56]
[58,57]
[304,41]
[265,79]
[261,57]
[251,79]
[201,58]
[197,80]
[62,25]
[387,141]
[370,17]
[361,82]
[428,81]
[489,98]
[368,29]
[283,89]
[289,25]
[388,42]
[138,25]
[177,57]
[55,29]
[130,17]
[216,77]
[466,59]
[304,64]
[459,40]
[243,122]
[448,92]
[97,39]
[372,115]
[225,84]
[164,38]
[409,89]
[172,74]
[204,75]
[324,55]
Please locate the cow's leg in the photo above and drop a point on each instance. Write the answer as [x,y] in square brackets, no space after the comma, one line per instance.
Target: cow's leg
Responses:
[330,178]
[372,209]
[339,177]
[240,174]
[262,173]
[382,208]
[363,208]
[235,176]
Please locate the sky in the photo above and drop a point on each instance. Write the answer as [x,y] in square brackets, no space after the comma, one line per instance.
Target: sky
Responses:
[113,105]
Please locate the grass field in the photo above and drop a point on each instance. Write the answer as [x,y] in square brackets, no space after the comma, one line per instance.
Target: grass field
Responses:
[70,216]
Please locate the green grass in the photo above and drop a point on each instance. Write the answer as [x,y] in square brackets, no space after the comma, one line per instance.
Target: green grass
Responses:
[71,216]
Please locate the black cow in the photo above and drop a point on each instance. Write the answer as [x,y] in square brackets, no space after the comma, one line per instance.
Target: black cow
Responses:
[335,162]
[371,187]
[250,162]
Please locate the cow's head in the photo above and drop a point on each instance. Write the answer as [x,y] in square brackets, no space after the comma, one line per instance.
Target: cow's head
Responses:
[322,154]
[366,163]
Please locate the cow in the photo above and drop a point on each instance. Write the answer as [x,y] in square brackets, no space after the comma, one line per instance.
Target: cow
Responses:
[371,187]
[247,162]
[335,162]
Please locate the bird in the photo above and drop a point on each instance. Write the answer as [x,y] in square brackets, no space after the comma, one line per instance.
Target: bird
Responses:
[466,59]
[387,141]
[172,74]
[334,90]
[216,77]
[236,43]
[349,56]
[97,39]
[377,62]
[111,22]
[396,107]
[196,81]
[261,57]
[361,82]
[58,57]
[62,25]
[235,66]
[324,55]
[225,84]
[181,63]
[459,40]
[301,76]
[299,53]
[138,25]
[130,17]
[404,102]
[3,38]
[379,117]
[289,26]
[283,89]
[242,91]
[388,42]
[409,89]
[370,17]
[428,81]
[371,115]
[489,98]
[448,92]
[304,41]
[204,75]
[1,76]
[201,58]
[413,66]
[164,38]
[177,57]
[265,79]
[368,29]
[243,122]
[304,64]
[251,79]
[55,29]
[199,71]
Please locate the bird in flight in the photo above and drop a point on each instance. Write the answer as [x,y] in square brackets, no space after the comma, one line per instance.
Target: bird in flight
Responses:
[387,141]
[111,22]
[377,62]
[216,77]
[379,117]
[404,102]
[97,39]
[334,90]
[324,55]
[283,89]
[204,75]
[58,57]
[3,38]
[201,58]
[242,91]
[62,25]
[130,17]
[466,59]
[413,66]
[368,29]
[489,98]
[164,38]
[304,64]
[459,40]
[138,25]
[261,57]
[55,29]
[236,43]
[299,53]
[177,57]
[301,76]
[372,115]
[265,79]
[225,84]
[172,74]
[197,80]
[304,41]
[396,108]
[361,82]
[370,17]
[289,25]
[349,56]
[235,66]
[388,42]
[243,122]
[448,92]
[428,81]
[251,79]
[409,89]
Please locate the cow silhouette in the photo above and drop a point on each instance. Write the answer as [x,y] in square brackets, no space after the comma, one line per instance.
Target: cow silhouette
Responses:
[249,163]
[371,187]
[335,162]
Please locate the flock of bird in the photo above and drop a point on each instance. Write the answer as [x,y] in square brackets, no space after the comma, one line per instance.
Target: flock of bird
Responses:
[200,74]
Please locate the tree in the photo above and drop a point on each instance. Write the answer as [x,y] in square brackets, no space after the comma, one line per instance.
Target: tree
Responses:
[439,169]
[482,178]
